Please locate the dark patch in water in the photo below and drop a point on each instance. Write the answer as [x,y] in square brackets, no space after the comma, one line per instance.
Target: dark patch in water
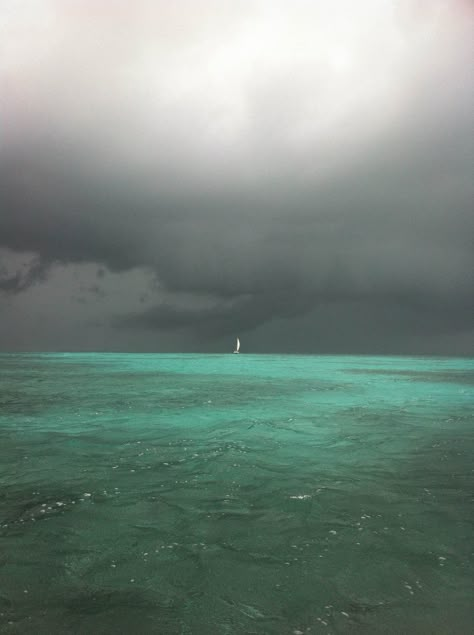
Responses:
[457,377]
[100,600]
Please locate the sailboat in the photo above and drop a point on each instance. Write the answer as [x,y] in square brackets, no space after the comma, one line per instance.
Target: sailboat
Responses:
[237,346]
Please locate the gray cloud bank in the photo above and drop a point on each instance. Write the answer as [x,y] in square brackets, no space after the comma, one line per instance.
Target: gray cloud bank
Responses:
[271,159]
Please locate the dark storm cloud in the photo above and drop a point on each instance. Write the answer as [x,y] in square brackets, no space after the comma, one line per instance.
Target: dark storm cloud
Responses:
[93,290]
[25,277]
[247,166]
[224,317]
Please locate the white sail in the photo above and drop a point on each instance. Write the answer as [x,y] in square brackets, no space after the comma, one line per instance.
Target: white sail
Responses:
[237,346]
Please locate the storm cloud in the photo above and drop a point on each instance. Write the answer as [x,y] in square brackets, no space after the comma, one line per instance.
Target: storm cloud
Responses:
[255,161]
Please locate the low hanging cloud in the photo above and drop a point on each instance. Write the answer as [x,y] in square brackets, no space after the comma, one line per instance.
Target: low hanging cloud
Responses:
[273,156]
[24,277]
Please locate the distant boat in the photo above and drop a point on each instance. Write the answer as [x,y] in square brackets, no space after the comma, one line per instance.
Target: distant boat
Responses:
[237,346]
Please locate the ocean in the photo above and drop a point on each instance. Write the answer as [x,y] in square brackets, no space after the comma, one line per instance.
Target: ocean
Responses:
[236,494]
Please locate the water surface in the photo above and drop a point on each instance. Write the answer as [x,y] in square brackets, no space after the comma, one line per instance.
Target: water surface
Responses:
[235,494]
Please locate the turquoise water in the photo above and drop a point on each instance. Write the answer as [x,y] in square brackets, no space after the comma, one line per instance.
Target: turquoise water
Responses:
[235,494]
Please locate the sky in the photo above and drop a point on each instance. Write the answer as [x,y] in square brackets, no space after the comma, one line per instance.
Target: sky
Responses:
[298,173]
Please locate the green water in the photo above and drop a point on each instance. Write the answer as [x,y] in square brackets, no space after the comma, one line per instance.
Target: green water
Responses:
[236,494]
